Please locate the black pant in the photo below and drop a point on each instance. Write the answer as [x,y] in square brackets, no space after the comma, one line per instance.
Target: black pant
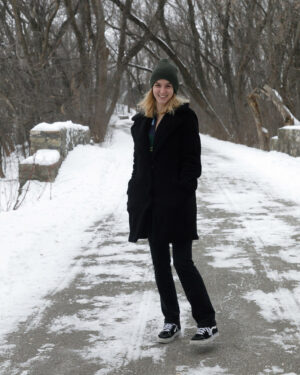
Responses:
[190,278]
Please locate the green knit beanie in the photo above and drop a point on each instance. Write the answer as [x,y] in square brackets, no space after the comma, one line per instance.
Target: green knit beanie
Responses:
[165,70]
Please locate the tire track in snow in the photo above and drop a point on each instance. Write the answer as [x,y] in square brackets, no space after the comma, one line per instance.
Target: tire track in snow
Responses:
[259,246]
[136,340]
[259,242]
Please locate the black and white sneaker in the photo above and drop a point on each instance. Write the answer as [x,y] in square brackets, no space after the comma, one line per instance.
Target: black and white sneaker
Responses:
[168,333]
[204,335]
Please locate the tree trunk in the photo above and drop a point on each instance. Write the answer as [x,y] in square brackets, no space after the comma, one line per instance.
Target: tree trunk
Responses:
[263,135]
[2,175]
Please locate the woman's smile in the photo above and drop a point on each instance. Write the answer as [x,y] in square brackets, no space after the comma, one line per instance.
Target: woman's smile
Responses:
[162,91]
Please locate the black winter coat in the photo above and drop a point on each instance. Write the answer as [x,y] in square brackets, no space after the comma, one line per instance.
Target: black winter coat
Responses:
[161,190]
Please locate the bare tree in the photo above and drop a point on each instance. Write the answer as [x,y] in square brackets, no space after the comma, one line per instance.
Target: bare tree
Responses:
[225,49]
[74,59]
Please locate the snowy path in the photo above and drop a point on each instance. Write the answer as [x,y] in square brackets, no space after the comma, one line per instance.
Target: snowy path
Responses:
[106,320]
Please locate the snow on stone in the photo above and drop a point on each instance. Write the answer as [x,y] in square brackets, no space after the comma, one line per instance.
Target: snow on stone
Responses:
[292,127]
[43,157]
[57,126]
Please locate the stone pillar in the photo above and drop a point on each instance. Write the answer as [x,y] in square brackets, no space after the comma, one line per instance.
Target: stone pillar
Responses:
[48,139]
[42,166]
[289,140]
[274,143]
[49,145]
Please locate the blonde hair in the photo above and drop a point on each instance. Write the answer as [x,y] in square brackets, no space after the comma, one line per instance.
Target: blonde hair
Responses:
[148,104]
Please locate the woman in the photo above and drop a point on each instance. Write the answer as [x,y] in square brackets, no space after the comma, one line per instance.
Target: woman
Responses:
[162,199]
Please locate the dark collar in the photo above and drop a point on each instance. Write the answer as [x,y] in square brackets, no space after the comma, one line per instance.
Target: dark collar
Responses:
[167,126]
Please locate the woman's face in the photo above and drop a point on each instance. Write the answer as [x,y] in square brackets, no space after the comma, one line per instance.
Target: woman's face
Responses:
[162,91]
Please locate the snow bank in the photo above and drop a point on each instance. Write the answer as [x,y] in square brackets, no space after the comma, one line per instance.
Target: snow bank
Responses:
[279,171]
[40,240]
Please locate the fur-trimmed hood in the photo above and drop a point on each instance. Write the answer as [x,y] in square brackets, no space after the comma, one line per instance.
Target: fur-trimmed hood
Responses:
[184,107]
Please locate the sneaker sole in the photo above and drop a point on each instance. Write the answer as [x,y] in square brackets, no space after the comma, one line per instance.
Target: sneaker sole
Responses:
[204,342]
[170,339]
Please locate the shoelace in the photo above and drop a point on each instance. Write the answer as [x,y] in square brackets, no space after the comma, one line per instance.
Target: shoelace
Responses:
[168,327]
[201,331]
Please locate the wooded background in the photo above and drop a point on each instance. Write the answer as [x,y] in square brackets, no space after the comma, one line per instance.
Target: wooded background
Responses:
[75,59]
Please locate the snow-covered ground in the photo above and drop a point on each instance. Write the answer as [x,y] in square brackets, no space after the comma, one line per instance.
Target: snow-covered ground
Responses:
[277,170]
[41,239]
